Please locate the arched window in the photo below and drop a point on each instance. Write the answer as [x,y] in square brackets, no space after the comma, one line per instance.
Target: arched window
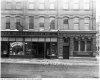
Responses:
[86,23]
[41,22]
[76,23]
[31,22]
[52,22]
[7,22]
[65,23]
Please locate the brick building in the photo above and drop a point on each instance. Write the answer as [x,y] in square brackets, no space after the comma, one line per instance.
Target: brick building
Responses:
[48,28]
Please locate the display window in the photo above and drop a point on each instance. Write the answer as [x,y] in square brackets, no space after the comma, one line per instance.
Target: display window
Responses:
[16,48]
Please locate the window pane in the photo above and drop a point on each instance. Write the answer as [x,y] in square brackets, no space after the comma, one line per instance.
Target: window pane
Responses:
[76,26]
[76,6]
[86,5]
[82,45]
[8,5]
[18,5]
[31,22]
[86,26]
[41,22]
[7,22]
[88,45]
[65,1]
[65,6]
[65,21]
[76,20]
[41,6]
[31,0]
[52,23]
[17,22]
[75,45]
[51,0]
[86,20]
[31,6]
[52,6]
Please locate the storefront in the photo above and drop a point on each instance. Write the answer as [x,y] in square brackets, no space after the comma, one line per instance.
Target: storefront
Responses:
[29,45]
[48,44]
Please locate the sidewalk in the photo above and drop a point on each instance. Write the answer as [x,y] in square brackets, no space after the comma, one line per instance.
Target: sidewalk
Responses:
[72,61]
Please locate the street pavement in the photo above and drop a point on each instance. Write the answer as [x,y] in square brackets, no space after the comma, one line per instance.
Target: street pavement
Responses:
[77,67]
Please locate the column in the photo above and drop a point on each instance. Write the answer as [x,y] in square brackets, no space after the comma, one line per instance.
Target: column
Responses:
[71,46]
[94,45]
[85,45]
[60,48]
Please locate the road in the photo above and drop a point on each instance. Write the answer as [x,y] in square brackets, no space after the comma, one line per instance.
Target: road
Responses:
[23,70]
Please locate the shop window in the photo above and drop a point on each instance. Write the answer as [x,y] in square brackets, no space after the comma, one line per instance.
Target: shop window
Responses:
[89,45]
[75,45]
[54,49]
[8,22]
[16,48]
[82,45]
[31,22]
[52,23]
[41,22]
[30,48]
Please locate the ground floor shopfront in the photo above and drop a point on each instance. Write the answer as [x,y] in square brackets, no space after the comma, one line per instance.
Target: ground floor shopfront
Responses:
[62,44]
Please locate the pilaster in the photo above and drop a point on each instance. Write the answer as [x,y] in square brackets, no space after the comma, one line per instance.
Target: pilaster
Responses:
[71,46]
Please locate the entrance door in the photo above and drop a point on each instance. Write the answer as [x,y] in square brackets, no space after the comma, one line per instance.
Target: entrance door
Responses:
[65,52]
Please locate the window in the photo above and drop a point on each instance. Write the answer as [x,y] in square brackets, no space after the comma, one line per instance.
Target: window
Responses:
[18,5]
[41,22]
[31,0]
[8,22]
[76,4]
[41,4]
[86,23]
[76,23]
[75,45]
[82,45]
[88,45]
[8,5]
[51,4]
[86,4]
[52,23]
[65,4]
[31,22]
[17,22]
[31,6]
[65,23]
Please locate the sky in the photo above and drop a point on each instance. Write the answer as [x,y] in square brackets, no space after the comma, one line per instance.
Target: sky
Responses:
[97,10]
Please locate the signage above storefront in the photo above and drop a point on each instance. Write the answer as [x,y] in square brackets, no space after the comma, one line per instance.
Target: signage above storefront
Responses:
[24,33]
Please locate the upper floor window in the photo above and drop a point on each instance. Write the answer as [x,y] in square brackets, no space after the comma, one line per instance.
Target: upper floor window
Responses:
[18,5]
[76,23]
[41,22]
[8,22]
[31,6]
[51,4]
[31,22]
[41,4]
[86,4]
[86,23]
[17,22]
[52,22]
[65,23]
[76,4]
[65,4]
[8,5]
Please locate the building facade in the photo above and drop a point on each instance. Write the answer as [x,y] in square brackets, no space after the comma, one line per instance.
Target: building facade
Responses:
[48,28]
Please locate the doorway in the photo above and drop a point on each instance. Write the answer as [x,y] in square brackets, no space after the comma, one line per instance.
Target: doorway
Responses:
[65,52]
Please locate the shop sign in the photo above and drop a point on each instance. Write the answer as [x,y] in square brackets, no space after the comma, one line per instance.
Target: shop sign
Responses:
[22,33]
[16,44]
